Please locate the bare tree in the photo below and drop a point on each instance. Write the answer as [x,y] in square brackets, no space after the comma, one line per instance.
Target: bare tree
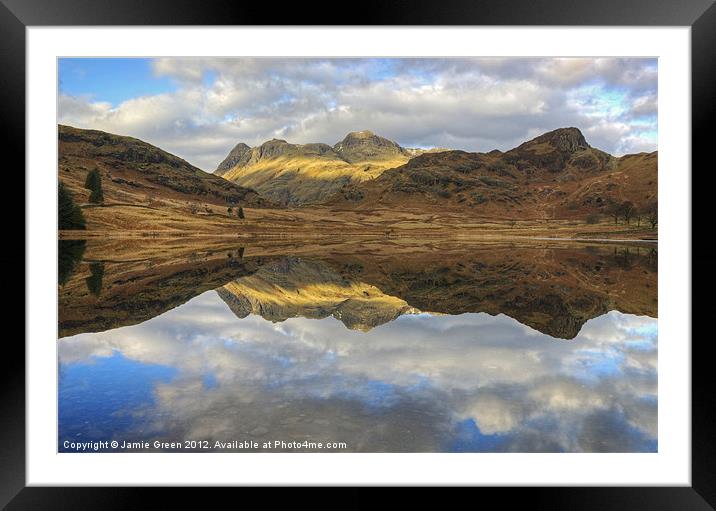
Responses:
[627,210]
[652,214]
[614,210]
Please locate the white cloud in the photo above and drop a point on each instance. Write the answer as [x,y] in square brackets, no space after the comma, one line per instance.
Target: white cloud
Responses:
[470,104]
[645,105]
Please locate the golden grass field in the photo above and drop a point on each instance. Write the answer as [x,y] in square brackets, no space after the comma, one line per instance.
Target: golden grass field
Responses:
[125,220]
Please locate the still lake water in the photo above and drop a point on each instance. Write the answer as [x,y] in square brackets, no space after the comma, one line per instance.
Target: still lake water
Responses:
[487,349]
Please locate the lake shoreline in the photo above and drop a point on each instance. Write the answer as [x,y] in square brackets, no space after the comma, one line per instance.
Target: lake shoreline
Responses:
[412,234]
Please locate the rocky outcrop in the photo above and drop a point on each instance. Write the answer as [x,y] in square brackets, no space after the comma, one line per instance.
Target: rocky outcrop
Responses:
[232,159]
[366,146]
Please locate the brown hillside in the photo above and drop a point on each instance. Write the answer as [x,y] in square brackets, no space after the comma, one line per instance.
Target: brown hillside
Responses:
[556,175]
[144,187]
[134,172]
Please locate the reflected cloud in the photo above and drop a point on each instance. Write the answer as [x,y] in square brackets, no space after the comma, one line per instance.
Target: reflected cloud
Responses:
[469,382]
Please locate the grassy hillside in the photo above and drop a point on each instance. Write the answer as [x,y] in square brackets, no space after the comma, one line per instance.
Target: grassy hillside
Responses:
[143,185]
[300,174]
[556,175]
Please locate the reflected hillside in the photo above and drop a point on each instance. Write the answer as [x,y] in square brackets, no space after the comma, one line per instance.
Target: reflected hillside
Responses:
[105,294]
[312,289]
[552,288]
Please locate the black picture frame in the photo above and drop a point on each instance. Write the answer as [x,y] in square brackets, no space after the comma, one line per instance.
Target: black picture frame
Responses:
[700,15]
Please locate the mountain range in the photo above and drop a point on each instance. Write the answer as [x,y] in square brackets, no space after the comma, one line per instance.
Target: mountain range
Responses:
[552,291]
[296,174]
[557,175]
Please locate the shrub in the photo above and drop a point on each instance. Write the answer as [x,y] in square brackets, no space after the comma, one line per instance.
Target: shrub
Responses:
[593,218]
[494,182]
[405,187]
[441,192]
[478,198]
[352,194]
[424,177]
[500,168]
[240,212]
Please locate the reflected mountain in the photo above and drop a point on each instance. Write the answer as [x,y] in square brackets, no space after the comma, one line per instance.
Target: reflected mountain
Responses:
[554,291]
[387,345]
[551,288]
[292,287]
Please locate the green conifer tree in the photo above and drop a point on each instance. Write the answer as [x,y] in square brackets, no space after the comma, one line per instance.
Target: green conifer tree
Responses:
[69,214]
[93,183]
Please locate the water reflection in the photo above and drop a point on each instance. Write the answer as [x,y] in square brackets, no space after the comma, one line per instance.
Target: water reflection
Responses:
[386,351]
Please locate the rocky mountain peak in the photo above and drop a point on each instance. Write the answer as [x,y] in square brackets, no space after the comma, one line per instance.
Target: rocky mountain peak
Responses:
[556,151]
[233,158]
[364,137]
[365,146]
[272,148]
[563,139]
[274,142]
[360,134]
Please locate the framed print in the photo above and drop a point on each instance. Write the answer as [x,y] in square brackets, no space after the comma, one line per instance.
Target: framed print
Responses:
[436,247]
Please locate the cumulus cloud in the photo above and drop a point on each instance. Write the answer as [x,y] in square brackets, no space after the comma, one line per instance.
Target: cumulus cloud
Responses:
[419,383]
[474,104]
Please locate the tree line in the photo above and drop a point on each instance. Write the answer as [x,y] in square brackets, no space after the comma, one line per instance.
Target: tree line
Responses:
[627,211]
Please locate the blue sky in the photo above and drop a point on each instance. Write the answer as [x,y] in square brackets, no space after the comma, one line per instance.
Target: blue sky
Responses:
[199,108]
[111,80]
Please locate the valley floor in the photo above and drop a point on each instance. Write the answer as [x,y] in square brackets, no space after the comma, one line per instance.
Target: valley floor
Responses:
[130,221]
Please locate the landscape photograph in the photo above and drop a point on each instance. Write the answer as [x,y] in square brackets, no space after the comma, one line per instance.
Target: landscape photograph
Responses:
[357,254]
